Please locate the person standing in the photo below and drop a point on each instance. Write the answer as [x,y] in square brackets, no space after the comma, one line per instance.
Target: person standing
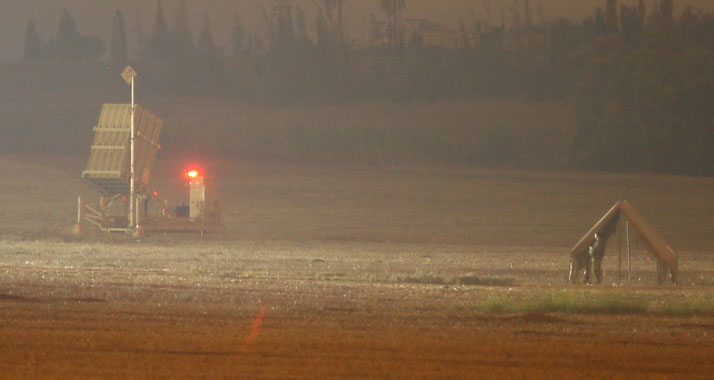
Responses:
[596,252]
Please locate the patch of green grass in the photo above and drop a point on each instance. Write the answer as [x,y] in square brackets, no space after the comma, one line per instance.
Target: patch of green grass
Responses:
[564,303]
[687,307]
[569,302]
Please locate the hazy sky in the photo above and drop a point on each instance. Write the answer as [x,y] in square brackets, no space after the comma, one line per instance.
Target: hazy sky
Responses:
[94,17]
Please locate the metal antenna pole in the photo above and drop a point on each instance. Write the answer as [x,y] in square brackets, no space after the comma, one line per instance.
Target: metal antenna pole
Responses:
[132,190]
[619,253]
[629,255]
[128,75]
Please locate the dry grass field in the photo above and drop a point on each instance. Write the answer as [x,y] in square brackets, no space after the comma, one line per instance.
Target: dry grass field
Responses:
[353,273]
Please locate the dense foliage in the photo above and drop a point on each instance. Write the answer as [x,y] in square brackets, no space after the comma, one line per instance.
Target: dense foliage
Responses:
[640,81]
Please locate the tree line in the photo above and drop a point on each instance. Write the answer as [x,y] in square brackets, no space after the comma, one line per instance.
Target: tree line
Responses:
[640,81]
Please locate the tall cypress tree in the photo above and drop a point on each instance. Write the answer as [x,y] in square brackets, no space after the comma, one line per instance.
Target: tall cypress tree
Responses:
[394,10]
[206,45]
[142,49]
[666,8]
[33,50]
[118,50]
[611,19]
[301,27]
[180,38]
[158,42]
[69,41]
[641,11]
[340,33]
[527,14]
[238,37]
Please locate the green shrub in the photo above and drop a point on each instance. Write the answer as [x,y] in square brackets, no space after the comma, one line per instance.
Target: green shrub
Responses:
[565,303]
[568,302]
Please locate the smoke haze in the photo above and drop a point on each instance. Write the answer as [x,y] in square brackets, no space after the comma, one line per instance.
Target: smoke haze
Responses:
[94,17]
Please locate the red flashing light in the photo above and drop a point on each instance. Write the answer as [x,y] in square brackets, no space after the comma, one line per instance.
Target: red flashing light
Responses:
[192,173]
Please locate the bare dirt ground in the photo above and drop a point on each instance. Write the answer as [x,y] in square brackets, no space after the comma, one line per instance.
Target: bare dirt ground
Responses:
[345,273]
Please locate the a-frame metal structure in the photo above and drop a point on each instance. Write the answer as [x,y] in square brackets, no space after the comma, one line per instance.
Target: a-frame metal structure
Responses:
[657,246]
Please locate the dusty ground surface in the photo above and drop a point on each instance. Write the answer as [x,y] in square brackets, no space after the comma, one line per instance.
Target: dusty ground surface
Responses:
[339,273]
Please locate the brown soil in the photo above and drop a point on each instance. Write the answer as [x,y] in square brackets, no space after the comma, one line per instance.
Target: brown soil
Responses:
[331,273]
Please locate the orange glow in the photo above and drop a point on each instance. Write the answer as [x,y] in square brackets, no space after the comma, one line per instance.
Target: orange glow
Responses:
[192,173]
[254,332]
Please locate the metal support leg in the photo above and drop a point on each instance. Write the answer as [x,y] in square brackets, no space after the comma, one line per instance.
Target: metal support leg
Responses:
[629,253]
